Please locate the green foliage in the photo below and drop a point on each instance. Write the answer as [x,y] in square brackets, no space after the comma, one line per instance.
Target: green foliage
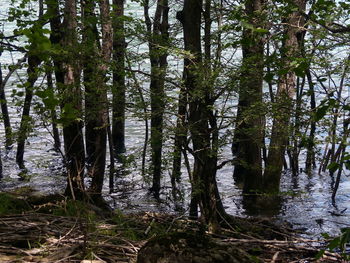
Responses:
[338,243]
[323,108]
[332,167]
[48,97]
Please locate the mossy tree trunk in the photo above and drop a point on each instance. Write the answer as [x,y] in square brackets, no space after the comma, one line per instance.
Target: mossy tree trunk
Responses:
[249,124]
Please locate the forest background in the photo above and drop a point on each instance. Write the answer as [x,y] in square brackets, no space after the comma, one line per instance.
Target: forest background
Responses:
[257,86]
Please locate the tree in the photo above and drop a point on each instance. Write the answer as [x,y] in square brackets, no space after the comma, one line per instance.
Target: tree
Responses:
[35,57]
[67,71]
[284,98]
[98,123]
[250,117]
[158,39]
[118,89]
[4,108]
[201,118]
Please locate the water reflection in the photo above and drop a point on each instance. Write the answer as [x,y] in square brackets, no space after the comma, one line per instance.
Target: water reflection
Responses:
[262,204]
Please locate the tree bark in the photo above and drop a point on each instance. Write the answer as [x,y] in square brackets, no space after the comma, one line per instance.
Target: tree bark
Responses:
[53,113]
[158,37]
[67,70]
[180,137]
[32,71]
[34,60]
[100,120]
[249,125]
[5,113]
[283,101]
[200,115]
[118,89]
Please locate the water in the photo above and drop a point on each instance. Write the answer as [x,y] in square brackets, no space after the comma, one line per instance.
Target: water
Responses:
[307,203]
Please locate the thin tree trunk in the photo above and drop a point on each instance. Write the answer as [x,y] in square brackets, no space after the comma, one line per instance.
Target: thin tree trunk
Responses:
[180,137]
[295,140]
[0,166]
[118,90]
[112,169]
[144,108]
[100,122]
[32,71]
[157,37]
[34,61]
[340,157]
[53,114]
[5,113]
[310,156]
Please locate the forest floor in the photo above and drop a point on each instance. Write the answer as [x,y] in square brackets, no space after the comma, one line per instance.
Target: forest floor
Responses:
[51,229]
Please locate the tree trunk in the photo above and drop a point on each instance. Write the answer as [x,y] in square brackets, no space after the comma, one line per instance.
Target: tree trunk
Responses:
[71,99]
[310,157]
[34,61]
[180,137]
[158,56]
[249,124]
[5,113]
[283,101]
[200,115]
[100,121]
[91,82]
[53,114]
[118,90]
[32,71]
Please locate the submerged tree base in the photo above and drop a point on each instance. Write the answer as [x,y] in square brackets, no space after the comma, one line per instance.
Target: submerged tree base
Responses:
[72,231]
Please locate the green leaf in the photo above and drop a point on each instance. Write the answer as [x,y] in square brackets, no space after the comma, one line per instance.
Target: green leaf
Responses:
[335,243]
[320,254]
[261,30]
[321,112]
[333,167]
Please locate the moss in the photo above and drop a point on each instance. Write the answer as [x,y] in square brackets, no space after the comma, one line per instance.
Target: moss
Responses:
[9,204]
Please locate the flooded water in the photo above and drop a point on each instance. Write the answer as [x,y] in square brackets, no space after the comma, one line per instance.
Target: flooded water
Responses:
[307,200]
